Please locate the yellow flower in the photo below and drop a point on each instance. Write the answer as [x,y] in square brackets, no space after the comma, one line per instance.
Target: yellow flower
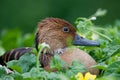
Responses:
[79,76]
[87,76]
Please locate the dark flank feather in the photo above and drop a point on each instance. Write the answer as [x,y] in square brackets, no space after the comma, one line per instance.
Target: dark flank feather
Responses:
[14,54]
[45,59]
[1,61]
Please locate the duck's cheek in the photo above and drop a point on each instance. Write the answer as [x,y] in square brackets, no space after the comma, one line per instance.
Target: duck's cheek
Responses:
[56,44]
[69,41]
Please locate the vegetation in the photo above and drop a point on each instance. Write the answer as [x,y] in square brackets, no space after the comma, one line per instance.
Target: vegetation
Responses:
[27,67]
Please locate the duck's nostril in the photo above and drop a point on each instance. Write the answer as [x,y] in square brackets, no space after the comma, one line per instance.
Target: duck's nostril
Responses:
[79,37]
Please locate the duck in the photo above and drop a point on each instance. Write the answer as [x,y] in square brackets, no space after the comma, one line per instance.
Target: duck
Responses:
[58,34]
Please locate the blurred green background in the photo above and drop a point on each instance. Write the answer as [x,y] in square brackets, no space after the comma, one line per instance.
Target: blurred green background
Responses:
[25,14]
[18,18]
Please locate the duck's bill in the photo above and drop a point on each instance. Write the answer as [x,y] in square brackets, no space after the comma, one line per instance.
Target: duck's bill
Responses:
[84,42]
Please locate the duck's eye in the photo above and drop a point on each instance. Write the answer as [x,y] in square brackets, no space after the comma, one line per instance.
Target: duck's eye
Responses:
[65,29]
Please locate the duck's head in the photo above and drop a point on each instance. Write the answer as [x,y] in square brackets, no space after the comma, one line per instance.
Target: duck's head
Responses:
[57,32]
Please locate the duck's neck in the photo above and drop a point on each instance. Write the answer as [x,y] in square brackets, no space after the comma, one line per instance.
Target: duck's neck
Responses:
[46,57]
[59,51]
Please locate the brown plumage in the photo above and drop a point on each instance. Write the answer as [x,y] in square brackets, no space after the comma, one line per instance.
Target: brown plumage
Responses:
[58,33]
[50,30]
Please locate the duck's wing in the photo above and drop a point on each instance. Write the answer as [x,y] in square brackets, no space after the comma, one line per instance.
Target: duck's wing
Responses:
[14,54]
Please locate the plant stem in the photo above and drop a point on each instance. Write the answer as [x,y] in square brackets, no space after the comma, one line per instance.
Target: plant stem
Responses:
[101,35]
[38,63]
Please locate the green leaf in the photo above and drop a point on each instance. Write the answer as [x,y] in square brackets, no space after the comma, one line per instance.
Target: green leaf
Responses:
[3,75]
[101,66]
[2,50]
[17,76]
[57,63]
[107,78]
[2,72]
[25,63]
[75,68]
[113,68]
[14,65]
[112,50]
[100,34]
[83,24]
[40,74]
[7,77]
